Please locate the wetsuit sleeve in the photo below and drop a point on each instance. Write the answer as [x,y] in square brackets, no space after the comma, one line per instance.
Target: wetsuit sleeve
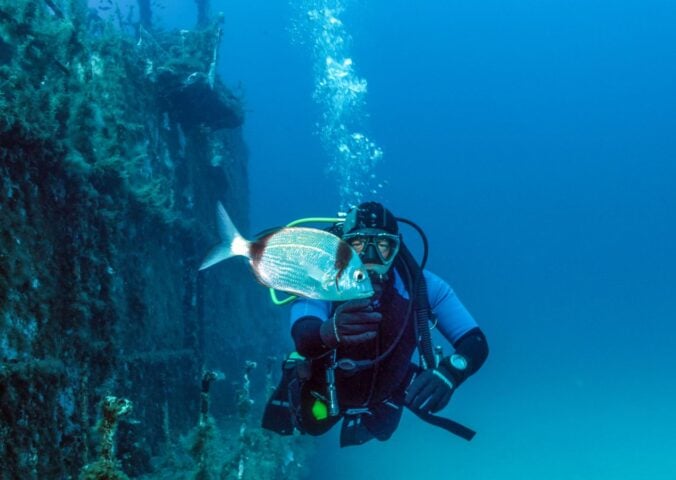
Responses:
[473,347]
[307,317]
[458,326]
[453,319]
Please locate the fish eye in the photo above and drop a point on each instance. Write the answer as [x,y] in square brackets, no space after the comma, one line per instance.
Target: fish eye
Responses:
[359,276]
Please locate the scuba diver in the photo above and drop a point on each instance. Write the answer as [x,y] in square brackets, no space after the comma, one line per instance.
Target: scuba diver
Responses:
[353,359]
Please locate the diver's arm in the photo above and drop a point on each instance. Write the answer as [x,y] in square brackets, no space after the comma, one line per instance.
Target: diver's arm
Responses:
[453,319]
[459,327]
[307,317]
[432,389]
[305,333]
[471,351]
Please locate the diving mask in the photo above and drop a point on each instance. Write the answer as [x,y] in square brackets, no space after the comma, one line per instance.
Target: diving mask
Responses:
[376,248]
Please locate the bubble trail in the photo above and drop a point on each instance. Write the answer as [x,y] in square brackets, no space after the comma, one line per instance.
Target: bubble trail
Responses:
[340,94]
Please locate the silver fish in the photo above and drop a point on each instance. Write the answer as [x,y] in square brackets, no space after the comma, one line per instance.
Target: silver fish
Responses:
[307,262]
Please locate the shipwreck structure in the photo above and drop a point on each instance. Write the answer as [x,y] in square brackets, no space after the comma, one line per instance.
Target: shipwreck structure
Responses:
[116,142]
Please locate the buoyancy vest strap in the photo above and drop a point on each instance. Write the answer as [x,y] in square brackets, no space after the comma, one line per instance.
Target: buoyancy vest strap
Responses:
[446,423]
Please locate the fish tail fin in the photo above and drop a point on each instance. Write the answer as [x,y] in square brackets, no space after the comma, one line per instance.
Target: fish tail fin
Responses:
[232,243]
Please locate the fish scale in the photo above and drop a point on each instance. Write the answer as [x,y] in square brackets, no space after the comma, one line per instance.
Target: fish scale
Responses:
[291,274]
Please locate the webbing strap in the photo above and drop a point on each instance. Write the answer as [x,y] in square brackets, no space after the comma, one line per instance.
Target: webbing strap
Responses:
[446,423]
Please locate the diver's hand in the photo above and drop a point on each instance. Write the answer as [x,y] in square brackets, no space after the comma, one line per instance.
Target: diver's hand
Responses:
[431,390]
[353,322]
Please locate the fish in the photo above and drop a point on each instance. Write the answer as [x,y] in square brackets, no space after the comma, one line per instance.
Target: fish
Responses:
[302,261]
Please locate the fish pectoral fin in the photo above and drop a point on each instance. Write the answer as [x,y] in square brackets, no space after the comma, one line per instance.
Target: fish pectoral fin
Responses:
[319,276]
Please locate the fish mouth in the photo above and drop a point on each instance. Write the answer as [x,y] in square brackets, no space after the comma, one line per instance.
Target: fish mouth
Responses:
[362,291]
[366,292]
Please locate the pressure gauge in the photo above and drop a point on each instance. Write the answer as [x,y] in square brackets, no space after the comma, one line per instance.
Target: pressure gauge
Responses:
[458,361]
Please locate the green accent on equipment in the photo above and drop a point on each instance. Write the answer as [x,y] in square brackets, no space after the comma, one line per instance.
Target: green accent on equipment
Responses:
[300,221]
[295,356]
[320,410]
[314,220]
[284,301]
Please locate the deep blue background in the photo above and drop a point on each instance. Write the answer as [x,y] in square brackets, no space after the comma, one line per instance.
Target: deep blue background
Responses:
[535,143]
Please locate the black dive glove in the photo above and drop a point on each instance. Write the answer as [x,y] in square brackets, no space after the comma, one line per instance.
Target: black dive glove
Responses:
[352,323]
[431,389]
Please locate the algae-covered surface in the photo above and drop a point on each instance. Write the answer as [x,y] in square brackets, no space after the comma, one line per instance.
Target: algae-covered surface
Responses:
[116,142]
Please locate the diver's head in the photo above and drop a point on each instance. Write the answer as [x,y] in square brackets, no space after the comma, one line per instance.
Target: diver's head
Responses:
[372,231]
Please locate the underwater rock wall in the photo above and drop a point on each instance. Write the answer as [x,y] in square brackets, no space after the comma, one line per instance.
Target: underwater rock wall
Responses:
[114,149]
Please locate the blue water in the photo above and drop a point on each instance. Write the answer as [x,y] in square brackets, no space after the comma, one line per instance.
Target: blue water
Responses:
[535,142]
